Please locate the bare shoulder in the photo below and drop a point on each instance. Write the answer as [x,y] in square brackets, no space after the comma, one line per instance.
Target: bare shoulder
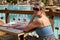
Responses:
[38,21]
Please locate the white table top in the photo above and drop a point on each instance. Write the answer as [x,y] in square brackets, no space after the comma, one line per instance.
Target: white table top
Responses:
[11,30]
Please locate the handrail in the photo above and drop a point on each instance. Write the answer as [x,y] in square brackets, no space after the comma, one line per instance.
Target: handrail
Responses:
[56,13]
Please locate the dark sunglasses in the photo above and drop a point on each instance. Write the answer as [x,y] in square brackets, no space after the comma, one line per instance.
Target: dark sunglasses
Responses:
[37,9]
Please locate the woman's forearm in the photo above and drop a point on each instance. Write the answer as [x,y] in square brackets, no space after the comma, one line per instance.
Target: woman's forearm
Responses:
[32,18]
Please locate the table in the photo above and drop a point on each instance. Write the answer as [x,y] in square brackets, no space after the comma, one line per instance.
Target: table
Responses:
[11,30]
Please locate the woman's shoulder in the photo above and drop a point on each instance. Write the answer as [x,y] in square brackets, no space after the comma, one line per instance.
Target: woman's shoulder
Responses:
[38,20]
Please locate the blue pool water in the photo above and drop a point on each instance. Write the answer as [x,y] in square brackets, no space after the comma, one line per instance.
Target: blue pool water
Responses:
[22,16]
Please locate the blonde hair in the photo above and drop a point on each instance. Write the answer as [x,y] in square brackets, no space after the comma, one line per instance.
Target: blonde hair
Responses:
[42,5]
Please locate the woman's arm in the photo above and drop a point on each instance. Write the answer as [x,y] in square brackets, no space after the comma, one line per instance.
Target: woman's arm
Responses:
[32,18]
[31,26]
[14,25]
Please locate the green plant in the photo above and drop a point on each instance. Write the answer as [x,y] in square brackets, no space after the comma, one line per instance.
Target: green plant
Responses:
[14,1]
[8,0]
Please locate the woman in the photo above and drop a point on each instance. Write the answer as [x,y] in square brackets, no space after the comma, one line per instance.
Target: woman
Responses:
[41,25]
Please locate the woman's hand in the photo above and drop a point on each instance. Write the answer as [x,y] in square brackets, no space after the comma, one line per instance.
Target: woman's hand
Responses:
[1,24]
[18,24]
[14,25]
[11,26]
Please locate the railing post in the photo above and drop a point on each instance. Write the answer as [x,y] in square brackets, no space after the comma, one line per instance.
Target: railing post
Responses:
[7,15]
[51,18]
[52,21]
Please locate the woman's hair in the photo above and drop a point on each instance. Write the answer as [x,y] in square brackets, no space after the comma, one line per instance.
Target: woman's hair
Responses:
[42,6]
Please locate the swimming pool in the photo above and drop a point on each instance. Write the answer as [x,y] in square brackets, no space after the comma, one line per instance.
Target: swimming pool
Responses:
[16,7]
[27,17]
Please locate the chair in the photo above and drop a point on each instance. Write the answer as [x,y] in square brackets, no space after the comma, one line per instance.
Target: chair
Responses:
[2,32]
[1,22]
[7,35]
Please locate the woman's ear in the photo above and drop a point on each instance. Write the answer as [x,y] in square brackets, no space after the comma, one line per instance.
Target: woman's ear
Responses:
[43,10]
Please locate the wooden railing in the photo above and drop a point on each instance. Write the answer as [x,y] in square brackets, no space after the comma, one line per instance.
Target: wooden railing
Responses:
[49,12]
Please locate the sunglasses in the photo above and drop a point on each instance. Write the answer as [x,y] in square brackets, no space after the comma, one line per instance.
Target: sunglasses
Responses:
[37,9]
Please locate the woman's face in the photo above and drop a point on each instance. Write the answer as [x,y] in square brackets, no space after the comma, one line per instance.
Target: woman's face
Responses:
[37,10]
